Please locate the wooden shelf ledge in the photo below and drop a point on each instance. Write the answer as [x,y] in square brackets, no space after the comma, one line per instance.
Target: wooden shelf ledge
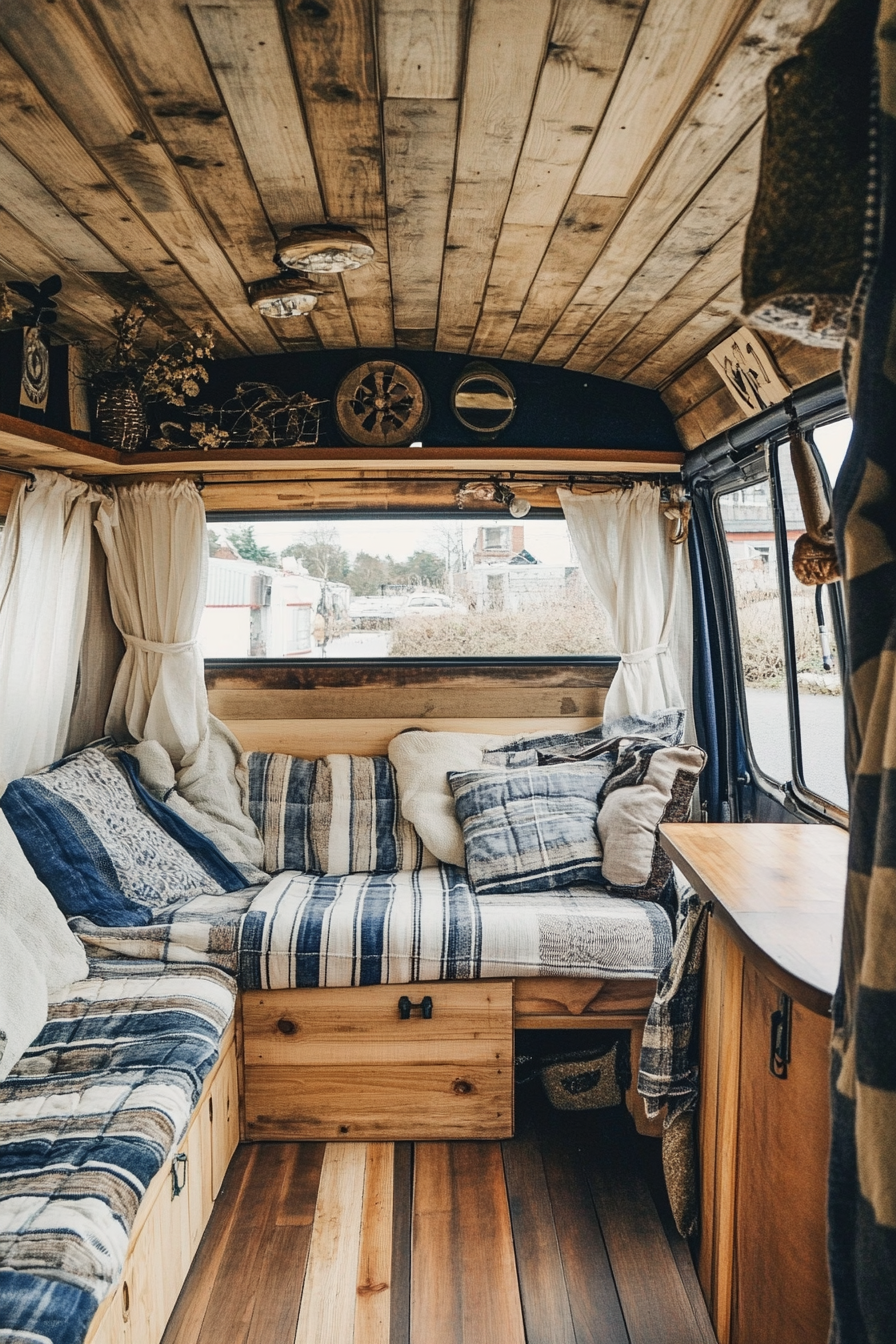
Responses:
[26,445]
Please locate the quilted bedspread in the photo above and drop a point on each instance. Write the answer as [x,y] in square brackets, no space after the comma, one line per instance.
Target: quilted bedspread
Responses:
[88,1117]
[398,928]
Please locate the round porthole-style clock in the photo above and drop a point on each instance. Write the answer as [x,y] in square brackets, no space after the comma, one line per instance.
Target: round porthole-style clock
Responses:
[381,404]
[484,400]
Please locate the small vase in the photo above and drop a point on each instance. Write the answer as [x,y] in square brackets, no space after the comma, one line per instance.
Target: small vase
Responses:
[120,419]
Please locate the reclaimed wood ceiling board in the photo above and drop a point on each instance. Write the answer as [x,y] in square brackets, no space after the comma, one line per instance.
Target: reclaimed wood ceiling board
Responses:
[563,182]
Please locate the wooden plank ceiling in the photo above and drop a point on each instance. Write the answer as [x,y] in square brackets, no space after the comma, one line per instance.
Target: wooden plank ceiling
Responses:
[558,181]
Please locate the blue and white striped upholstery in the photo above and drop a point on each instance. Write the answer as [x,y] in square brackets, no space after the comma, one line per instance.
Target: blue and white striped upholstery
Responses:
[399,928]
[89,1115]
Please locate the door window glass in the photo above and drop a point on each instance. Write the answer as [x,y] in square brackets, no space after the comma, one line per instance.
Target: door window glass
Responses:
[832,441]
[748,523]
[819,692]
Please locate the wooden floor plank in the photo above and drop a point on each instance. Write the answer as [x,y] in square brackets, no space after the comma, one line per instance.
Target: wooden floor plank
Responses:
[593,1300]
[464,1287]
[653,1298]
[327,1314]
[400,1279]
[280,1268]
[373,1285]
[650,1155]
[546,1309]
[230,1306]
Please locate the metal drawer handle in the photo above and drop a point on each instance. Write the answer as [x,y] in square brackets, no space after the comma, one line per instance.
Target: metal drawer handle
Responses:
[405,1006]
[779,1046]
[287,1026]
[178,1175]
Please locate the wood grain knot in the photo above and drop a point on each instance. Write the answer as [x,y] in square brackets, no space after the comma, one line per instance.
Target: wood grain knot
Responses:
[287,1026]
[368,1289]
[461,1087]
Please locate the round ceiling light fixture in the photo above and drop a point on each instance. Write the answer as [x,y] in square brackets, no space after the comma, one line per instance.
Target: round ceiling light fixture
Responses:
[283,296]
[324,249]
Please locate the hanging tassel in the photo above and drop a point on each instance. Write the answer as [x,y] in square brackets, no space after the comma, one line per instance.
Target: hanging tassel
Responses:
[814,555]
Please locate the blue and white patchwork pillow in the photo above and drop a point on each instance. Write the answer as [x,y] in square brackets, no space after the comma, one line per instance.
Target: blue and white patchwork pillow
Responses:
[529,829]
[337,815]
[108,850]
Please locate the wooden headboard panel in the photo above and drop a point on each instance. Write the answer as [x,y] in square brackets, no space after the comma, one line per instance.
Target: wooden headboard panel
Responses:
[310,709]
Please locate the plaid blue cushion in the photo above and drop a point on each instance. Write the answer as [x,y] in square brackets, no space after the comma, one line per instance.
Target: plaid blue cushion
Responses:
[529,829]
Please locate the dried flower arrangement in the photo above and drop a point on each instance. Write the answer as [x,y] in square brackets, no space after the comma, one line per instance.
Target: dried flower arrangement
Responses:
[259,416]
[125,379]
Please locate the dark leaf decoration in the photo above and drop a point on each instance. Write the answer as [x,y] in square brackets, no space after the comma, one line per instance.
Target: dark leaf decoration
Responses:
[41,299]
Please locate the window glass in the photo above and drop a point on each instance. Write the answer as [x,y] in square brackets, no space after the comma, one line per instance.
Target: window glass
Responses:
[398,587]
[748,522]
[832,441]
[819,694]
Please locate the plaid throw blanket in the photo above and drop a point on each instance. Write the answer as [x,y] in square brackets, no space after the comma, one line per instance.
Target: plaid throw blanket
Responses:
[667,1073]
[398,928]
[90,1114]
[862,1188]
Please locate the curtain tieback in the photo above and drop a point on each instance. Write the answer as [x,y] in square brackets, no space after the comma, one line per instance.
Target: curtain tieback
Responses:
[153,646]
[643,654]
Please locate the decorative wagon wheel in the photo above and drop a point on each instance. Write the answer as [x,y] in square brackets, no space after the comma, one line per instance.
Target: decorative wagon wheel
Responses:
[381,404]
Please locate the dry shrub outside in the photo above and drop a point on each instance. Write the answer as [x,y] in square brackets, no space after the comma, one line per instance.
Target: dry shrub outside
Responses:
[559,626]
[761,640]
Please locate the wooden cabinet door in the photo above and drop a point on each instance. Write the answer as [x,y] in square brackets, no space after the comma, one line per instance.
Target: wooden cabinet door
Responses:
[781,1281]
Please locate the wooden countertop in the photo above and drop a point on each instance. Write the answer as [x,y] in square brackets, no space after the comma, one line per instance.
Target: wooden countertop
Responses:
[779,891]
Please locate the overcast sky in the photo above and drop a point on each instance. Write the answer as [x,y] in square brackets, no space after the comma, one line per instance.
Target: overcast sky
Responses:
[546,538]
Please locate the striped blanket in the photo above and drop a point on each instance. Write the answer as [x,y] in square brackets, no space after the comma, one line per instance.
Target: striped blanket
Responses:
[201,930]
[398,928]
[90,1114]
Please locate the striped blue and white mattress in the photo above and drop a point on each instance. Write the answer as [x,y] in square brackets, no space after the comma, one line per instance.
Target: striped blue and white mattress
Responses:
[90,1114]
[397,928]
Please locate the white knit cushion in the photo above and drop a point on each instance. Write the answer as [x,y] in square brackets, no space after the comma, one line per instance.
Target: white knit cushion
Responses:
[27,907]
[422,761]
[23,997]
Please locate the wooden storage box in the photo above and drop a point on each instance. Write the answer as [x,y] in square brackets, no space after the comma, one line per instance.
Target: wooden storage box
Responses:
[343,1063]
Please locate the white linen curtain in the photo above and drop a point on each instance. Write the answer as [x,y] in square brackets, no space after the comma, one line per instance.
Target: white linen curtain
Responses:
[643,583]
[44,579]
[155,540]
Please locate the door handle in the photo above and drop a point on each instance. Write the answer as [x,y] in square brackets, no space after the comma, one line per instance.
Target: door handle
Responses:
[779,1045]
[405,1007]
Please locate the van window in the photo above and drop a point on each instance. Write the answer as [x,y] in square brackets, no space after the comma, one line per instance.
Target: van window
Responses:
[832,441]
[819,698]
[747,519]
[787,636]
[397,588]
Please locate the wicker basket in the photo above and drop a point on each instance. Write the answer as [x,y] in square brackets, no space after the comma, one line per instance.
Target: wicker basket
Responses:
[120,420]
[586,1083]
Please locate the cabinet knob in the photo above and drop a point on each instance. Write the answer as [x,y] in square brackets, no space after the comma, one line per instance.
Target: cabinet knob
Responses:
[287,1026]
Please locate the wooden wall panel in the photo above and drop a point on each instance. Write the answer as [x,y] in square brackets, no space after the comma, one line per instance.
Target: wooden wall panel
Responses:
[699,400]
[559,181]
[587,48]
[64,51]
[310,738]
[505,52]
[372,702]
[158,46]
